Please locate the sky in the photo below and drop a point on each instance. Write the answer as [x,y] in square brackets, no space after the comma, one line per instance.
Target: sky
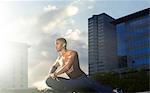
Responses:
[39,23]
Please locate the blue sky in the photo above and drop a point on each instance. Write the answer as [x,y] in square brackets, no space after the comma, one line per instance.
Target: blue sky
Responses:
[39,22]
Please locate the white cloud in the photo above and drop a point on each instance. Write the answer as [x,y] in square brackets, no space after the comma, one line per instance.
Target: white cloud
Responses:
[72,21]
[91,0]
[90,7]
[50,26]
[28,21]
[59,18]
[45,54]
[74,35]
[50,8]
[38,72]
[72,10]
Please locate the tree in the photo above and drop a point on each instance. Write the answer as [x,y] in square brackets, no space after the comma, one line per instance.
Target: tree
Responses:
[131,81]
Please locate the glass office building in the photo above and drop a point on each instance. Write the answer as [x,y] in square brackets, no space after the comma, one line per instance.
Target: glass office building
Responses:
[102,44]
[119,43]
[133,38]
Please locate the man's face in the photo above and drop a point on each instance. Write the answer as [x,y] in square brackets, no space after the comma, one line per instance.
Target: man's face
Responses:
[58,45]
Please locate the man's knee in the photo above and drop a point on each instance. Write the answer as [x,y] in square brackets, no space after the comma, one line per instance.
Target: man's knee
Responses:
[49,81]
[54,84]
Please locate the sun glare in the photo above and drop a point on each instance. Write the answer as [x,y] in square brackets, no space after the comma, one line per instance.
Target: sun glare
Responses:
[5,36]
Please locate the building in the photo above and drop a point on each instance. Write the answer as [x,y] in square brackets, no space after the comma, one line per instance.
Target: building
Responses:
[122,61]
[14,65]
[119,43]
[133,38]
[102,44]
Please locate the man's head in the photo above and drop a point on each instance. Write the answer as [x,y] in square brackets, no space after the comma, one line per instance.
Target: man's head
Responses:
[60,44]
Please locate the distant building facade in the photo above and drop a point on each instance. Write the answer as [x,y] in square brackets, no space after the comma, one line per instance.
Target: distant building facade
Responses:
[14,68]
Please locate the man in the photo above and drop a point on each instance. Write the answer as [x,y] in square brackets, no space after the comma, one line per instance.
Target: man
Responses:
[68,62]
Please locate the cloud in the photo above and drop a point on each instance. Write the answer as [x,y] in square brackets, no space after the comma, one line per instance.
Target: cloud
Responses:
[90,7]
[91,0]
[72,21]
[45,54]
[74,35]
[72,10]
[50,8]
[57,19]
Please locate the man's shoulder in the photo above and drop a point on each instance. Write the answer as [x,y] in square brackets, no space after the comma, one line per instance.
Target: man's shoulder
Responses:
[73,52]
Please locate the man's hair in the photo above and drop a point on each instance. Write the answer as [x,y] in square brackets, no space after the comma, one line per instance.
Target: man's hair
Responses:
[63,40]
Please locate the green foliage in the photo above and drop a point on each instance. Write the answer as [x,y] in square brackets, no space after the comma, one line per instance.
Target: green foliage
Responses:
[132,81]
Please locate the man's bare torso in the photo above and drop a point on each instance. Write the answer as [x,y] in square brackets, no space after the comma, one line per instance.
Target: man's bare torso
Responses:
[75,70]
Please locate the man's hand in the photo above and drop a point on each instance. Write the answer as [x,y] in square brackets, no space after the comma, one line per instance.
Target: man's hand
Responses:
[51,75]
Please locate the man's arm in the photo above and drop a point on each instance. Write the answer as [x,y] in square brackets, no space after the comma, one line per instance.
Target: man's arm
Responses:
[68,64]
[54,68]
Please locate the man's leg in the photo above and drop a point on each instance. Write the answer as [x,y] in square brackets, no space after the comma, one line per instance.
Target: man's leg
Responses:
[97,87]
[54,84]
[64,84]
[61,84]
[82,83]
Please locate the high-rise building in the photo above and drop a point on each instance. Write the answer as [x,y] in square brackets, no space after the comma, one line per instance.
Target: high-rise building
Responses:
[14,65]
[102,44]
[133,38]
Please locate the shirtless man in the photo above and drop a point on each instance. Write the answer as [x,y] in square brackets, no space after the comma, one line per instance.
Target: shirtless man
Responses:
[68,62]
